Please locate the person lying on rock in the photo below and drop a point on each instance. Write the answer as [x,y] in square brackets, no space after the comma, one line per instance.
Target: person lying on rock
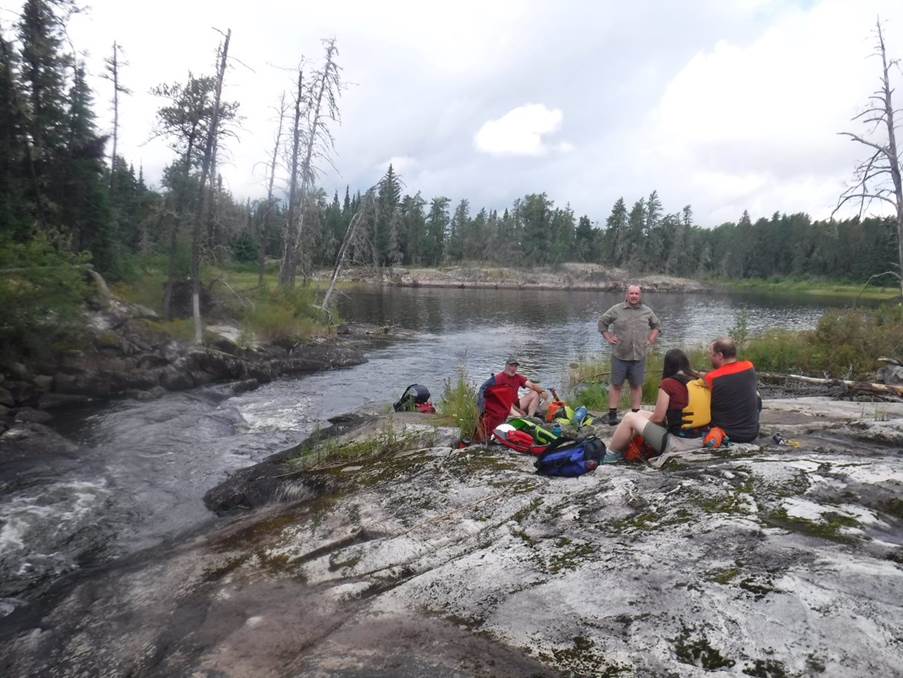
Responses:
[662,428]
[735,400]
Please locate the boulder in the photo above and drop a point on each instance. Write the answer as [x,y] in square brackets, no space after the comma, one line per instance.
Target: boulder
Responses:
[50,401]
[173,378]
[32,415]
[890,374]
[6,398]
[43,382]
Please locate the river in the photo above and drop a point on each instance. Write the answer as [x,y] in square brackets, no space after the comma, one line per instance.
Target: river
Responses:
[140,468]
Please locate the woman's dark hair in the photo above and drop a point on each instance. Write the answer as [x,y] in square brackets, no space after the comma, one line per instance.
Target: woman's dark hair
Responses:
[676,361]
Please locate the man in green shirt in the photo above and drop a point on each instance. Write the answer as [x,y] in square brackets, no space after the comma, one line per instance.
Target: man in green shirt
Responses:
[630,328]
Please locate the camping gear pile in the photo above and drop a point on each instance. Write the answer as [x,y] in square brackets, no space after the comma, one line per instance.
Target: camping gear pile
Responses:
[416,398]
[558,444]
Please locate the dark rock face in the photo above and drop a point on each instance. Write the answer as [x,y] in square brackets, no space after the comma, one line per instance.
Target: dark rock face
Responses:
[258,485]
[128,356]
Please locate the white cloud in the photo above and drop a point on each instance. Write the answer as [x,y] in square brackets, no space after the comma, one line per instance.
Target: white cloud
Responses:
[755,125]
[520,131]
[400,163]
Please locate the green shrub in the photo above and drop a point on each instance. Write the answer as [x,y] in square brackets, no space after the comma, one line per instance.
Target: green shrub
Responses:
[42,289]
[845,344]
[285,317]
[459,403]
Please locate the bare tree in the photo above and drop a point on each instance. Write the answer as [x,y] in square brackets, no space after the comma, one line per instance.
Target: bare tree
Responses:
[268,208]
[322,100]
[365,213]
[878,178]
[287,269]
[112,74]
[203,202]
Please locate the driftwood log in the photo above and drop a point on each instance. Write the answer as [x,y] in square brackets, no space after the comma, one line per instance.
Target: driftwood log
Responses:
[854,387]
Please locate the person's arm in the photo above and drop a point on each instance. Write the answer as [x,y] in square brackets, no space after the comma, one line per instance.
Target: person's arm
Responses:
[656,328]
[661,408]
[604,323]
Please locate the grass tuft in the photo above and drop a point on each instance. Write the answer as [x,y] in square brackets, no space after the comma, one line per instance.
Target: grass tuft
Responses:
[459,403]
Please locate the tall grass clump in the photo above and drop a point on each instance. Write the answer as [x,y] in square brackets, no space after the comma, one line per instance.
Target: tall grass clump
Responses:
[285,317]
[459,404]
[845,345]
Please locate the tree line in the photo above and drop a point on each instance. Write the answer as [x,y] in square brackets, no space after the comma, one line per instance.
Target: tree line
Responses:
[58,184]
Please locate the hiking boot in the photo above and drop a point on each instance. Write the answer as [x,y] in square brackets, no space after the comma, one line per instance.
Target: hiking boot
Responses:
[612,457]
[613,419]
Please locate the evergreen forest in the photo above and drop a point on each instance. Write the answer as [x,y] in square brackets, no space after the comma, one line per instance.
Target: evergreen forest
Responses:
[66,195]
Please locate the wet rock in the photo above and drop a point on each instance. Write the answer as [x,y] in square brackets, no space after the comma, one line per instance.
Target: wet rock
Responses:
[23,392]
[174,378]
[43,382]
[32,415]
[71,361]
[6,398]
[244,386]
[49,401]
[150,394]
[19,371]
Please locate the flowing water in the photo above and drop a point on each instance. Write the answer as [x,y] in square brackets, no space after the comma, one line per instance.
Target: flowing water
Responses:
[140,468]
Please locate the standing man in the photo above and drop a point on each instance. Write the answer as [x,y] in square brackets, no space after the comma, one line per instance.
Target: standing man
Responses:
[735,401]
[631,329]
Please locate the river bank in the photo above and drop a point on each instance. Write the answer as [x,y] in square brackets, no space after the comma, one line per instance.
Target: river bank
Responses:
[397,554]
[567,276]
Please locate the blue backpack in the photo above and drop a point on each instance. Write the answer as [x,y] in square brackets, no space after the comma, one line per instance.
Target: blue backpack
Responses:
[572,459]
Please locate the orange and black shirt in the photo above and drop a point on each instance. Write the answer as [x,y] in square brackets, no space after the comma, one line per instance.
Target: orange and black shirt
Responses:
[735,402]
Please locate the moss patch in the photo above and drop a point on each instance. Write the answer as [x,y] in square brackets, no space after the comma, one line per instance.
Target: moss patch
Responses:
[583,659]
[828,527]
[765,668]
[699,652]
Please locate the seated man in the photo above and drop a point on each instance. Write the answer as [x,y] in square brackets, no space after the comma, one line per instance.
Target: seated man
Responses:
[498,398]
[735,401]
[527,404]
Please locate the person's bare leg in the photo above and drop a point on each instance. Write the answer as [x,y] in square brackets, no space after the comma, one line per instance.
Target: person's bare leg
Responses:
[631,424]
[529,403]
[636,397]
[614,396]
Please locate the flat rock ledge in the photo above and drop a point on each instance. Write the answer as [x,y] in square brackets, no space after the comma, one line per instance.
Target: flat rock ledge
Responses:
[421,560]
[569,276]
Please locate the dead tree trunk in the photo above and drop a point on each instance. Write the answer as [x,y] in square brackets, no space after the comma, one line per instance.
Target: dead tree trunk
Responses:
[318,141]
[113,75]
[324,109]
[362,213]
[287,270]
[202,196]
[879,177]
[268,210]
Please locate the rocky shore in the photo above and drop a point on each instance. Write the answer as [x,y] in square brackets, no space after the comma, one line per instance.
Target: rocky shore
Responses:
[570,276]
[125,354]
[377,548]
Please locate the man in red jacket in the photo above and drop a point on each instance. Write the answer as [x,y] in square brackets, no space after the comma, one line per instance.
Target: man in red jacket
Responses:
[735,400]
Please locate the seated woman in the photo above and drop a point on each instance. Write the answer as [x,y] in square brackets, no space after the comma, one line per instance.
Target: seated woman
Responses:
[661,428]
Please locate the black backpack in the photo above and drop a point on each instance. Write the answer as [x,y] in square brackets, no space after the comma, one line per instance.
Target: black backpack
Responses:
[413,395]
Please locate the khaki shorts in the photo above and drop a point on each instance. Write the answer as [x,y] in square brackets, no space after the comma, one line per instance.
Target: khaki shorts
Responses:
[658,438]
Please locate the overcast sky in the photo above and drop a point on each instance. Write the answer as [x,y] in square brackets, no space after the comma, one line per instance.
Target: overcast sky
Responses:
[723,105]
